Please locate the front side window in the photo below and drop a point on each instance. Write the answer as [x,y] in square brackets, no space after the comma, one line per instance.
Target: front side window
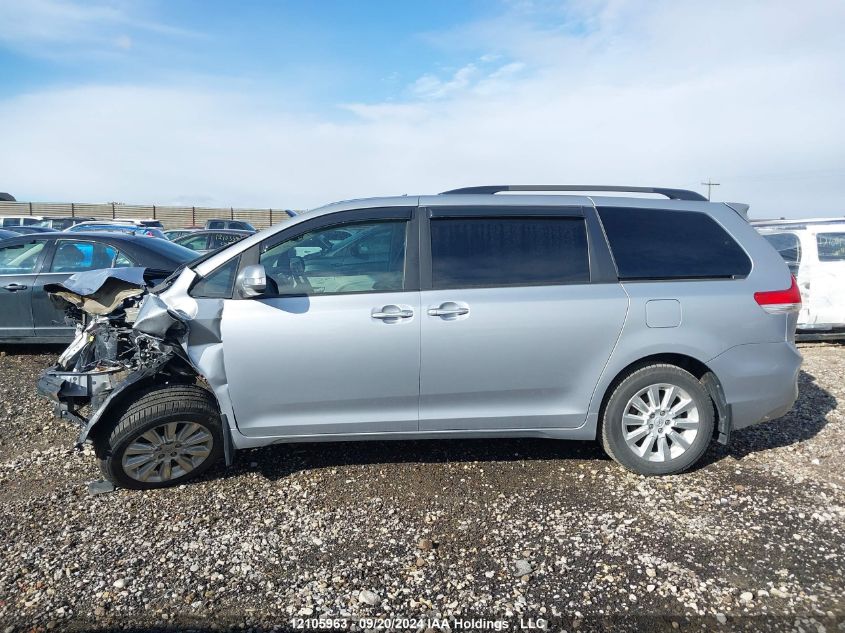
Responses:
[370,259]
[788,247]
[831,247]
[216,224]
[73,256]
[477,252]
[20,258]
[668,244]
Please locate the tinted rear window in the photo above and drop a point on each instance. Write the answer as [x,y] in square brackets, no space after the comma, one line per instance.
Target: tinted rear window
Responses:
[468,252]
[831,247]
[665,244]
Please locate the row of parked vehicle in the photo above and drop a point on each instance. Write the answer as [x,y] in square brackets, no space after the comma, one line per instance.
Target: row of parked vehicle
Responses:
[38,251]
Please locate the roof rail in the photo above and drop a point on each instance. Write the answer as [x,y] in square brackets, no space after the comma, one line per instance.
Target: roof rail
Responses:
[802,221]
[674,194]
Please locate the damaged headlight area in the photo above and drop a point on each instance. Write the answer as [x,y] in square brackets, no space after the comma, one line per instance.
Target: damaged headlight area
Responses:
[124,333]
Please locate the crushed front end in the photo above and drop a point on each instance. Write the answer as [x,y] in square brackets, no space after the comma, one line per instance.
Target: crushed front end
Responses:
[124,334]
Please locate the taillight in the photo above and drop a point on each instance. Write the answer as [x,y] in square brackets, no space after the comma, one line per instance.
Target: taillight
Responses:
[149,234]
[780,301]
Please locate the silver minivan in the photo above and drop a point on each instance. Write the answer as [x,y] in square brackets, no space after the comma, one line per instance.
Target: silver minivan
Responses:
[651,325]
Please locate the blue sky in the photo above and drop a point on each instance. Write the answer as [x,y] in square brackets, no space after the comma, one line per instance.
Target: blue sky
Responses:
[292,104]
[331,52]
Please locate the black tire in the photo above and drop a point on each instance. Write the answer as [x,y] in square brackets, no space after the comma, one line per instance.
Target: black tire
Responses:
[613,429]
[184,405]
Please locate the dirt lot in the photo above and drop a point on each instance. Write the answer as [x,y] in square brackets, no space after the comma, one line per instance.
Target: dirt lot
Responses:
[497,530]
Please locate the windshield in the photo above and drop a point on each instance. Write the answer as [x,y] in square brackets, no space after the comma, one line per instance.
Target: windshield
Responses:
[165,283]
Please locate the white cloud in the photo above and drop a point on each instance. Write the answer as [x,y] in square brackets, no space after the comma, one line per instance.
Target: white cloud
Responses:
[62,28]
[657,93]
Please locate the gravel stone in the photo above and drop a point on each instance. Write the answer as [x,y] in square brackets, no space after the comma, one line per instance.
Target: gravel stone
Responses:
[754,537]
[522,568]
[369,597]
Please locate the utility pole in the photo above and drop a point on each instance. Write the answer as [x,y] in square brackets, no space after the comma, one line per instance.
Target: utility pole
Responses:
[710,184]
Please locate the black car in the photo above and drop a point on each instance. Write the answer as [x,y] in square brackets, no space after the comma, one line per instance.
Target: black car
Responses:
[28,262]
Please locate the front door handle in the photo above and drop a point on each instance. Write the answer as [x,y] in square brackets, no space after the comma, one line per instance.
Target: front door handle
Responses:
[449,309]
[389,312]
[14,287]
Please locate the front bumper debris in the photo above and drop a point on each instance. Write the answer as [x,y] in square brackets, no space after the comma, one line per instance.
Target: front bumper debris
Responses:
[71,391]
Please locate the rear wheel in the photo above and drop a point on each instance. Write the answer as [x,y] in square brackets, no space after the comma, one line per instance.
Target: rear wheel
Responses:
[658,421]
[166,437]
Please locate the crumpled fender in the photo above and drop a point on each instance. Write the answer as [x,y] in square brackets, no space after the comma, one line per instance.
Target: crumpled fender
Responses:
[131,380]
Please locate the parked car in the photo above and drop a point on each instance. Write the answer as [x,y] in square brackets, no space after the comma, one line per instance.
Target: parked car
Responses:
[239,225]
[62,223]
[814,250]
[204,241]
[28,262]
[172,234]
[29,230]
[57,223]
[130,229]
[6,234]
[650,326]
[155,224]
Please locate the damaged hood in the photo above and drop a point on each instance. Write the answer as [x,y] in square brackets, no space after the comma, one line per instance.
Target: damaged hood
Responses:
[100,292]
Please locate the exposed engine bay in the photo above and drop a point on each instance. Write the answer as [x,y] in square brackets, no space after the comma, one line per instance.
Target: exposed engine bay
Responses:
[124,334]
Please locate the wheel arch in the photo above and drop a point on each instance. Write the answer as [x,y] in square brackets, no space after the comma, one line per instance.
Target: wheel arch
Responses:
[127,392]
[694,366]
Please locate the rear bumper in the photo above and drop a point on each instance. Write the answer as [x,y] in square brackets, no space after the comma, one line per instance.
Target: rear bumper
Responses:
[760,380]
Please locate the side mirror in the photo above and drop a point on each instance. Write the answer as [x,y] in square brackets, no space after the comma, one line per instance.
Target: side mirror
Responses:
[252,281]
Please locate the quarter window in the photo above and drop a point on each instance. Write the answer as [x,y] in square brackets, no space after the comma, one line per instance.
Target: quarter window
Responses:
[370,259]
[477,252]
[20,258]
[219,283]
[831,247]
[667,244]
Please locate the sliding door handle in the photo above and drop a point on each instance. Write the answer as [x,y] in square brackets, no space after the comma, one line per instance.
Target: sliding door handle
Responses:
[449,309]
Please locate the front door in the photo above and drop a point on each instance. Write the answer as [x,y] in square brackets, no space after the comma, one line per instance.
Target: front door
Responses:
[333,347]
[514,334]
[19,265]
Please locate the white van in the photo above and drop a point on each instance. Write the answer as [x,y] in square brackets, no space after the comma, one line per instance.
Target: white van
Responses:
[814,249]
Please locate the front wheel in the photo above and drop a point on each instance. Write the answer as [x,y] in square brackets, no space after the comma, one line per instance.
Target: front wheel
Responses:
[166,437]
[658,421]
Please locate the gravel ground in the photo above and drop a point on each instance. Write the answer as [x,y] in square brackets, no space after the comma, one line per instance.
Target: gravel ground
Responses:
[497,530]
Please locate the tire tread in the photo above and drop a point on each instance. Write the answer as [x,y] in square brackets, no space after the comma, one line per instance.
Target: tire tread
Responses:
[622,384]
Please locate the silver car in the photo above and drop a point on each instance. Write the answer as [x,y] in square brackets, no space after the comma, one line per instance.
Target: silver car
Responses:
[653,326]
